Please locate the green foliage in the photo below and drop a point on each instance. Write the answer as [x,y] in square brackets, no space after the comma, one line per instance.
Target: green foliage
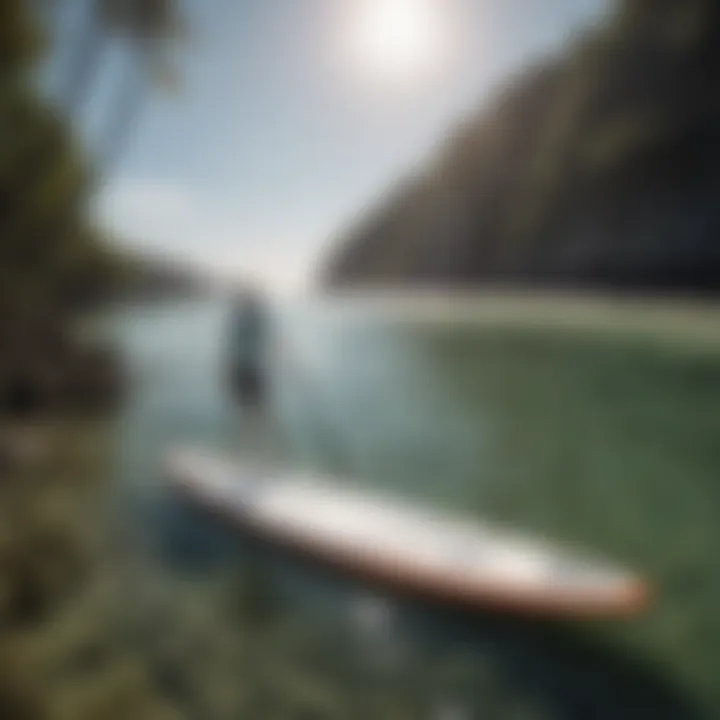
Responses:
[52,259]
[20,39]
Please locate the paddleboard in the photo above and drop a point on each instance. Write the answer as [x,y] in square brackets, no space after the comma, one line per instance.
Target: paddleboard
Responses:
[384,540]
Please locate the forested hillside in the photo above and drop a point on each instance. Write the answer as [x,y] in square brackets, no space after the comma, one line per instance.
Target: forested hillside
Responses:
[599,167]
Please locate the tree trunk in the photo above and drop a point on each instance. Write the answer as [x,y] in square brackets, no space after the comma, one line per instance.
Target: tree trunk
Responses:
[87,41]
[122,117]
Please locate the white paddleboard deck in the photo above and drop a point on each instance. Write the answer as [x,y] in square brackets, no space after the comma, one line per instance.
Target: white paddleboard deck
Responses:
[435,554]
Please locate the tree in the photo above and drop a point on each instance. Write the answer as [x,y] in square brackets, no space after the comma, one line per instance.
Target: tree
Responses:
[51,255]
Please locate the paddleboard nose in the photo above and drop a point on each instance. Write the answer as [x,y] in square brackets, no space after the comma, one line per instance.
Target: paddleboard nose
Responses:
[636,597]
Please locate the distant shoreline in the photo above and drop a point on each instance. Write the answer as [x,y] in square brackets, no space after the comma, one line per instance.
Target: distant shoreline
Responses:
[660,315]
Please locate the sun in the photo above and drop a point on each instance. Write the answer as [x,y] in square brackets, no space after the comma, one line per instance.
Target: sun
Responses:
[397,40]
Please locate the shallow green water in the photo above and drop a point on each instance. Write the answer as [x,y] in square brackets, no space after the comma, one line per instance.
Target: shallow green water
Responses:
[607,438]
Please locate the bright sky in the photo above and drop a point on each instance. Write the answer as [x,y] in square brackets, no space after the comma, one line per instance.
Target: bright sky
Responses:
[295,114]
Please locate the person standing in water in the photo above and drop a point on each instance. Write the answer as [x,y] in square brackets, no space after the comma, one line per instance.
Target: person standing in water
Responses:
[249,338]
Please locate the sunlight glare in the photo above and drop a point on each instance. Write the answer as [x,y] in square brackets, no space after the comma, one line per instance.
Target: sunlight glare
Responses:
[398,39]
